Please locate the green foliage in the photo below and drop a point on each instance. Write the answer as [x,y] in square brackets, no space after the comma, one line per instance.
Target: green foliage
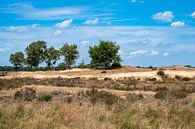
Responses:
[17,59]
[35,53]
[105,55]
[51,56]
[70,53]
[45,97]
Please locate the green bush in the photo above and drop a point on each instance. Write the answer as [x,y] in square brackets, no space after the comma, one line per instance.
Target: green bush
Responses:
[45,97]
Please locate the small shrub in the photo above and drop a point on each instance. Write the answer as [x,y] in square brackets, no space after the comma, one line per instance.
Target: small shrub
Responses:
[162,95]
[179,94]
[104,72]
[101,96]
[161,73]
[126,124]
[152,79]
[45,97]
[186,79]
[107,79]
[178,77]
[161,89]
[133,97]
[27,94]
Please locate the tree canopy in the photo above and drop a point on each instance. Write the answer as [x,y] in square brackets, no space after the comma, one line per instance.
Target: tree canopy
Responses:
[17,59]
[105,55]
[35,53]
[70,53]
[51,56]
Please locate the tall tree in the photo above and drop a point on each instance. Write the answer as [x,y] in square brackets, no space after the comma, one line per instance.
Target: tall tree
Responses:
[35,53]
[51,56]
[105,55]
[70,53]
[17,59]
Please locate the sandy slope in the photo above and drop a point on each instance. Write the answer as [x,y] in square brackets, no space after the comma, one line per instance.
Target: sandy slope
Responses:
[88,73]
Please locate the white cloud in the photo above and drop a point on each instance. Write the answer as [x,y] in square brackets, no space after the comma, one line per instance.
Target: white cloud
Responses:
[17,28]
[58,32]
[30,12]
[143,52]
[178,24]
[34,26]
[193,14]
[92,22]
[85,42]
[64,24]
[166,16]
[165,54]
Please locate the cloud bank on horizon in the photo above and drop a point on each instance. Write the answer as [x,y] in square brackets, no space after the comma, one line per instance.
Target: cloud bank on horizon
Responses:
[149,32]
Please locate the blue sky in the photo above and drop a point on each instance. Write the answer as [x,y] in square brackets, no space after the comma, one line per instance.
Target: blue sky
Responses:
[149,32]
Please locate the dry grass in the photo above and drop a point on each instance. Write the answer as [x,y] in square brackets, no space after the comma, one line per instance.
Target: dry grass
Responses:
[129,93]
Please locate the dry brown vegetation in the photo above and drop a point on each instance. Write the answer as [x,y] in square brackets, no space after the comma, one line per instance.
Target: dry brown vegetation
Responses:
[98,99]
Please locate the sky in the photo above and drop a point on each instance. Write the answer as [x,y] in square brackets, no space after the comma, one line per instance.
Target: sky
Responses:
[149,32]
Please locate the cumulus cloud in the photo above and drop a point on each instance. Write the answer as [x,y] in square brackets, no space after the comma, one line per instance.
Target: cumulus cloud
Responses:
[193,14]
[165,54]
[92,22]
[143,52]
[178,24]
[58,32]
[64,24]
[166,16]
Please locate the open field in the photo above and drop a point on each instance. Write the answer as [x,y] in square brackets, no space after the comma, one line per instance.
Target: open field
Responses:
[126,98]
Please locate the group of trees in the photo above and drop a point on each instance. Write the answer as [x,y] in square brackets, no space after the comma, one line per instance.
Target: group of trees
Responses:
[104,55]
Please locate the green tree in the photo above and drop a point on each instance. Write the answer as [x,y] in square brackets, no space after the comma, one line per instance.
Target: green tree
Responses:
[105,55]
[70,53]
[35,53]
[51,56]
[17,59]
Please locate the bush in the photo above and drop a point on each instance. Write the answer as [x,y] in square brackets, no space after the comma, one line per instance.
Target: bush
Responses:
[179,94]
[165,94]
[133,97]
[186,79]
[161,73]
[162,95]
[102,96]
[161,88]
[45,97]
[27,94]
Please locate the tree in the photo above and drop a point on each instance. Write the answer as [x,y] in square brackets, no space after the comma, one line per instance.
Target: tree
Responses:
[51,56]
[105,55]
[17,59]
[70,53]
[35,53]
